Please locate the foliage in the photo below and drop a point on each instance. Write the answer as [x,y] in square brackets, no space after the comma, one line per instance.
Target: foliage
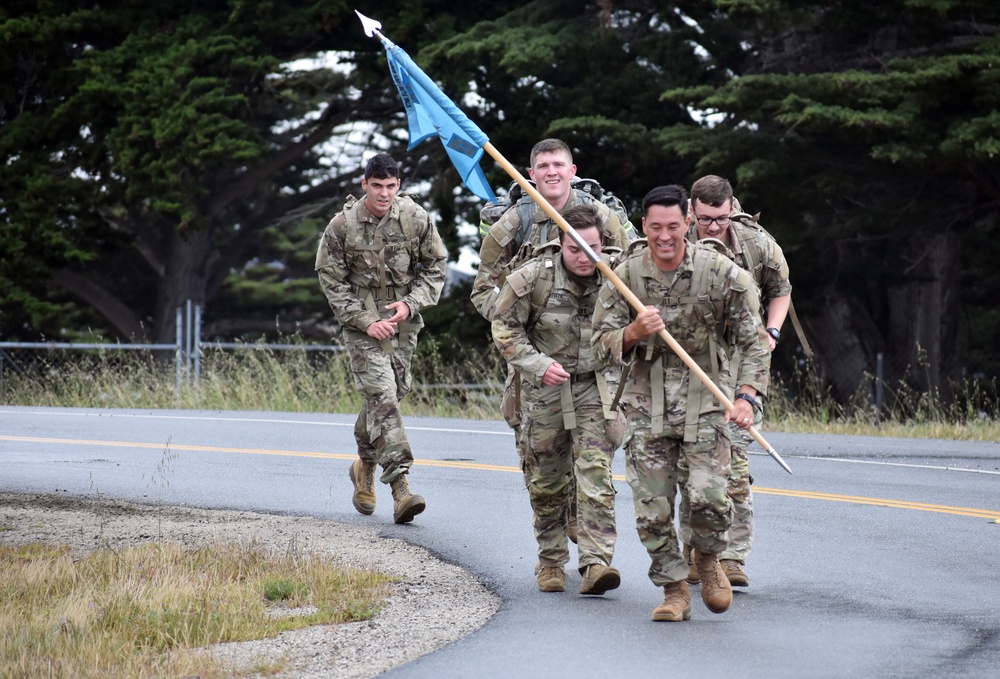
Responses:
[465,385]
[144,610]
[233,379]
[161,152]
[867,133]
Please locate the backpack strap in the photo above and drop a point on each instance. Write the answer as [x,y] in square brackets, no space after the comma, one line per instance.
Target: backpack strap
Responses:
[527,211]
[542,288]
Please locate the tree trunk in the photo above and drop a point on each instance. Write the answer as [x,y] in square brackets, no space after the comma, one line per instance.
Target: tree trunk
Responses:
[189,263]
[917,332]
[924,317]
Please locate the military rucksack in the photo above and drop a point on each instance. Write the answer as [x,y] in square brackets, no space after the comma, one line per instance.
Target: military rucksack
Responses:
[590,188]
[752,255]
[542,288]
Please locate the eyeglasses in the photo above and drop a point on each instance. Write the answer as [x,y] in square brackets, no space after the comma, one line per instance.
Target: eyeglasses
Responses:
[707,221]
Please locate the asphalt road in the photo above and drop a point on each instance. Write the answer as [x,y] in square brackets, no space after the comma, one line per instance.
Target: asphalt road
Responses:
[877,558]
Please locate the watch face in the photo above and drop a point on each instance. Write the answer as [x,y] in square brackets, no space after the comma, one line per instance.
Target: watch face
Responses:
[773,332]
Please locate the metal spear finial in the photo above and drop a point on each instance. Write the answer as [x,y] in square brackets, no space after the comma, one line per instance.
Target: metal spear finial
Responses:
[371,26]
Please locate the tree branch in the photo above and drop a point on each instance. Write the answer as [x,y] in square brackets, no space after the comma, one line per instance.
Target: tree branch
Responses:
[127,323]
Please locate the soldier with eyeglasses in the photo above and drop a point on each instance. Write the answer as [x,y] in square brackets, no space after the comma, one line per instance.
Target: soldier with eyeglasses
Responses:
[716,214]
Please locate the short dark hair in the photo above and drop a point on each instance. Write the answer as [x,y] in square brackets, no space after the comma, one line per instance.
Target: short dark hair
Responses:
[667,196]
[381,166]
[711,190]
[580,217]
[549,146]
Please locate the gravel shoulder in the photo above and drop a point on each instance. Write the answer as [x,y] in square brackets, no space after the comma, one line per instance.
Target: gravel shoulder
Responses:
[433,603]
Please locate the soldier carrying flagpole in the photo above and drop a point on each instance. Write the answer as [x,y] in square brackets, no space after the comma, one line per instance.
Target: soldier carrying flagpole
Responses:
[428,107]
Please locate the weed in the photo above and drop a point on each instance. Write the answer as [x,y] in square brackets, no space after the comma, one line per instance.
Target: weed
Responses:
[466,385]
[144,610]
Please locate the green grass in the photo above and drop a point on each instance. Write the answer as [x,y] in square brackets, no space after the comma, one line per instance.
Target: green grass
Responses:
[301,381]
[143,611]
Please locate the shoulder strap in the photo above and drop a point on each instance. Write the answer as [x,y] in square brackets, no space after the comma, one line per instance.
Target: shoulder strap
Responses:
[408,210]
[542,289]
[526,211]
[743,226]
[352,229]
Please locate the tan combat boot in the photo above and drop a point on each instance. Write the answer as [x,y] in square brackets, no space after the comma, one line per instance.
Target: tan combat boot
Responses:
[676,604]
[598,579]
[551,578]
[693,577]
[362,475]
[716,591]
[734,573]
[407,504]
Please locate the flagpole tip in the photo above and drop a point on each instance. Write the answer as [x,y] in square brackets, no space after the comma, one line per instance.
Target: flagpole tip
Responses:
[371,26]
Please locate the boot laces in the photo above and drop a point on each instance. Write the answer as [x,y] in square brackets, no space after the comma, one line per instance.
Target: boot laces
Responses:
[713,576]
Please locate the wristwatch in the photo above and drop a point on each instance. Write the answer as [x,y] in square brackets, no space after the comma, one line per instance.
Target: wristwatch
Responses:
[774,333]
[748,398]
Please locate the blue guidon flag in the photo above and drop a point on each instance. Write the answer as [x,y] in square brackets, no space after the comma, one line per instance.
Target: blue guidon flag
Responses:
[429,112]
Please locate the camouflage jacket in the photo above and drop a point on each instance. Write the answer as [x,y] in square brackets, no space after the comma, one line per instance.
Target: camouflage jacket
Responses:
[729,305]
[500,251]
[365,262]
[534,333]
[756,251]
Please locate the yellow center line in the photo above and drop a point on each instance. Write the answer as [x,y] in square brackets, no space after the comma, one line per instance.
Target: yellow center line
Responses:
[455,464]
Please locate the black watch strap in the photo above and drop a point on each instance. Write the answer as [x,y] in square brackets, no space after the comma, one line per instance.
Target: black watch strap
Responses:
[775,333]
[748,398]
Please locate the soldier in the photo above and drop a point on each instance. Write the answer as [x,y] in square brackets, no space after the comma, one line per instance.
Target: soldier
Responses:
[511,241]
[552,170]
[380,262]
[678,433]
[542,324]
[715,214]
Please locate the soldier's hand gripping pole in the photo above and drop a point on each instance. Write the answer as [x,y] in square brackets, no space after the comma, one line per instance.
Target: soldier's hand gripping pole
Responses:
[628,294]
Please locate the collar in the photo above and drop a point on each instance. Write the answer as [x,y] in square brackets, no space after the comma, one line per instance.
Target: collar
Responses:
[365,215]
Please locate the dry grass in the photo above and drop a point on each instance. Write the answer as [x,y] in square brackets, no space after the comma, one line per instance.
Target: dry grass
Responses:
[142,611]
[246,379]
[452,386]
[802,404]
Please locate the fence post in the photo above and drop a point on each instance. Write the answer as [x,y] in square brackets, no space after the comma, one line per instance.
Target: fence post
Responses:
[878,390]
[197,348]
[179,349]
[187,341]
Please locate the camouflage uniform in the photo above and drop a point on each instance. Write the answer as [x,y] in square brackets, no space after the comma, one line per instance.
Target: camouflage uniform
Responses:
[498,255]
[507,245]
[755,251]
[677,431]
[565,427]
[363,264]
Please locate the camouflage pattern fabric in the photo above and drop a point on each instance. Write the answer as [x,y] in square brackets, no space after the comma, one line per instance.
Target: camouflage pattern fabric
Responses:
[498,253]
[654,473]
[555,455]
[741,532]
[758,253]
[383,379]
[658,460]
[739,491]
[552,457]
[354,248]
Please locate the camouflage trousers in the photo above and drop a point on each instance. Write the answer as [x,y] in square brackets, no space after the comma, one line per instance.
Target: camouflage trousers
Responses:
[656,466]
[383,379]
[740,493]
[553,458]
